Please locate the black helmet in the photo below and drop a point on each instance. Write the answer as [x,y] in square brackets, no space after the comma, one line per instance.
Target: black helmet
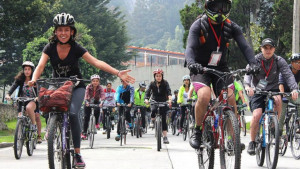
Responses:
[218,10]
[63,19]
[142,84]
[175,91]
[295,57]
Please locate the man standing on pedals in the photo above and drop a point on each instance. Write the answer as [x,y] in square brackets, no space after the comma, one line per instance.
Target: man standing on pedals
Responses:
[207,46]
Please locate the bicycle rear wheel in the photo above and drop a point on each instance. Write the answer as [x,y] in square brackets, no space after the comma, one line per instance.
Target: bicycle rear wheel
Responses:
[295,139]
[137,127]
[185,129]
[272,148]
[206,153]
[230,150]
[244,125]
[19,139]
[260,150]
[92,131]
[108,126]
[55,150]
[158,133]
[283,143]
[30,143]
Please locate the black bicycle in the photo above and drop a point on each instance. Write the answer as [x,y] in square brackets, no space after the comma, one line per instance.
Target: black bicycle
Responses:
[158,122]
[24,131]
[176,122]
[60,140]
[241,118]
[107,119]
[138,128]
[122,125]
[187,120]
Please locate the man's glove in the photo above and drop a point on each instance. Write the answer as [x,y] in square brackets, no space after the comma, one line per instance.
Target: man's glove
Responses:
[253,69]
[196,68]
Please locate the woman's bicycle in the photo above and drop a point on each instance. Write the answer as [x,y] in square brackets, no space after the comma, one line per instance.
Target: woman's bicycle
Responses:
[158,122]
[138,122]
[267,139]
[186,122]
[122,125]
[220,128]
[60,150]
[24,130]
[91,126]
[108,122]
[242,119]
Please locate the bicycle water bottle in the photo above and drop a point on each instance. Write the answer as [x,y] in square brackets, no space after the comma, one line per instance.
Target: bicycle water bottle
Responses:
[216,119]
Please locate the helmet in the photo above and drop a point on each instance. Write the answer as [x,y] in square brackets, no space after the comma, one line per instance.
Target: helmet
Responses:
[159,71]
[218,10]
[186,77]
[142,84]
[175,91]
[28,63]
[63,19]
[295,57]
[95,76]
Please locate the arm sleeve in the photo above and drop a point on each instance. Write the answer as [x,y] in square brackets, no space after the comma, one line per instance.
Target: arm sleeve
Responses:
[80,50]
[243,44]
[13,88]
[117,95]
[287,74]
[148,91]
[192,42]
[168,89]
[281,79]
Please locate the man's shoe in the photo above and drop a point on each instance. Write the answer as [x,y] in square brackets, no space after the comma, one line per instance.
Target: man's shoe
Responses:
[166,141]
[251,148]
[104,132]
[78,161]
[117,138]
[151,124]
[196,139]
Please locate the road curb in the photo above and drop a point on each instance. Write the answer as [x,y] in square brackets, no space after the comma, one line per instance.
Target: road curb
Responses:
[3,145]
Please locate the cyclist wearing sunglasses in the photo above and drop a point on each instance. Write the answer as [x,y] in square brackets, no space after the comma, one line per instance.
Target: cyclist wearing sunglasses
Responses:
[207,46]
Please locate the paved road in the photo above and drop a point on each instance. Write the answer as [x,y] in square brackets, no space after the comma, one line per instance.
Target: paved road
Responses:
[137,154]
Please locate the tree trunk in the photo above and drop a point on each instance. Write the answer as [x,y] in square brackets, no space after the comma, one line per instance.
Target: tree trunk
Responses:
[296,27]
[3,96]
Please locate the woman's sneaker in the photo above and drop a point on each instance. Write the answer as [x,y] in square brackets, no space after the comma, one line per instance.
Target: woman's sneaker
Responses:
[78,161]
[166,141]
[39,139]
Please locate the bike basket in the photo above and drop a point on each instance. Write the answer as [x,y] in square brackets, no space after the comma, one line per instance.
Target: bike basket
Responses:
[56,99]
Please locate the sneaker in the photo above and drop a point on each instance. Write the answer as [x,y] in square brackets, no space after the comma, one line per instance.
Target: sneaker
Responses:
[39,139]
[117,138]
[83,136]
[196,139]
[243,146]
[251,148]
[104,132]
[166,141]
[180,131]
[78,161]
[97,126]
[151,124]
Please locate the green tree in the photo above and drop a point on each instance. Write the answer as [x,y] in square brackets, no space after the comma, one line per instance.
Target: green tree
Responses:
[34,50]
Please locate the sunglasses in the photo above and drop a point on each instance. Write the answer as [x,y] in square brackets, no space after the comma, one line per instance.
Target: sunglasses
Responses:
[216,7]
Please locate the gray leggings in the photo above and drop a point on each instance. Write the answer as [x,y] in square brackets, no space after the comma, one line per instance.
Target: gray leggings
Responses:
[76,102]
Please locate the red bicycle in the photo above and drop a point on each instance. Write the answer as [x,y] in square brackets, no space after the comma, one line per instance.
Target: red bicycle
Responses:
[220,128]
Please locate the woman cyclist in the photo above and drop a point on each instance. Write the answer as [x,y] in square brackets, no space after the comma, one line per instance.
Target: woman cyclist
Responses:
[21,81]
[160,91]
[64,54]
[183,97]
[93,93]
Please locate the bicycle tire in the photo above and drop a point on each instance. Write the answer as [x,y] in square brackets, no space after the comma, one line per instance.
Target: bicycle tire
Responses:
[273,136]
[184,129]
[260,150]
[208,150]
[231,146]
[108,127]
[158,133]
[137,127]
[69,160]
[55,152]
[174,127]
[30,143]
[18,139]
[92,131]
[295,144]
[244,125]
[140,129]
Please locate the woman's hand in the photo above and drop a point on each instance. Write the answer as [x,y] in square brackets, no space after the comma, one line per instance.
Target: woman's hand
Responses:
[7,97]
[31,83]
[126,77]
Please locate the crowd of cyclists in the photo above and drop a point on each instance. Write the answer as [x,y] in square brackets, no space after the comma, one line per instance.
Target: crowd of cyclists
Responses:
[207,47]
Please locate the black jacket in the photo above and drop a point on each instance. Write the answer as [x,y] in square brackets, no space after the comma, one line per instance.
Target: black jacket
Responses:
[158,94]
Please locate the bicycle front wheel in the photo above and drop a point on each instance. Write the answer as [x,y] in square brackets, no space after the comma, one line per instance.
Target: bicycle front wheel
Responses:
[19,139]
[272,148]
[230,149]
[295,139]
[185,129]
[108,126]
[158,133]
[30,143]
[260,149]
[283,143]
[92,131]
[55,145]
